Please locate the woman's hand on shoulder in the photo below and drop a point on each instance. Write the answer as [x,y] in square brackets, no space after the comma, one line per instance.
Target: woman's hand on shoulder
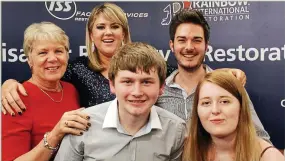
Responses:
[72,122]
[239,74]
[11,100]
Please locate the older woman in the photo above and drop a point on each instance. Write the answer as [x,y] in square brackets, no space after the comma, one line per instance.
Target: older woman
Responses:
[35,136]
[221,128]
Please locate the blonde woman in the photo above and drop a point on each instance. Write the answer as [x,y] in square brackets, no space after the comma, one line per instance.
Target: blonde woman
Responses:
[36,135]
[221,128]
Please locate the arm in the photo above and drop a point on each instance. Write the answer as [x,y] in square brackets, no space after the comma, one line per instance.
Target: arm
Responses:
[16,136]
[176,154]
[76,124]
[10,97]
[71,149]
[270,153]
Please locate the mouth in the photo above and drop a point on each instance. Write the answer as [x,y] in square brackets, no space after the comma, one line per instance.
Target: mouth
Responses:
[217,121]
[189,56]
[52,68]
[108,41]
[137,101]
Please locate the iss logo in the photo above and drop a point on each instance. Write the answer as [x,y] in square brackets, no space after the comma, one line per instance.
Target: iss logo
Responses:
[62,10]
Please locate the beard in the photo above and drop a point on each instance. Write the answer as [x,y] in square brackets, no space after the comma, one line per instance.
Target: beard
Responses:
[191,68]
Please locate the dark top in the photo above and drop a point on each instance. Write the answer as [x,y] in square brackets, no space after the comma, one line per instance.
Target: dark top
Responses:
[93,87]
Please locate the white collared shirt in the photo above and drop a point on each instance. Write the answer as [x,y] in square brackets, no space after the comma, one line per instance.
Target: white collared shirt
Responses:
[160,139]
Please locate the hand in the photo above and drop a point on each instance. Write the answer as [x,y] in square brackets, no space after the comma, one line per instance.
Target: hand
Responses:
[73,122]
[10,97]
[239,74]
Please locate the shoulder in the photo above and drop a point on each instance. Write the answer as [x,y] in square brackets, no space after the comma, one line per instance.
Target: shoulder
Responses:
[33,92]
[269,153]
[99,110]
[167,116]
[67,85]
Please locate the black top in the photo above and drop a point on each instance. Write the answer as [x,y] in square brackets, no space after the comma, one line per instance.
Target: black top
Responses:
[93,87]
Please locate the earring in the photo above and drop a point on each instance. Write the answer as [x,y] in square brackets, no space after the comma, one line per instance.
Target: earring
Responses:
[123,43]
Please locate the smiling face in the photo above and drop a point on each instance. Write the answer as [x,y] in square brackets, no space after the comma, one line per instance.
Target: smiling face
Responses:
[189,46]
[48,60]
[218,110]
[136,92]
[106,35]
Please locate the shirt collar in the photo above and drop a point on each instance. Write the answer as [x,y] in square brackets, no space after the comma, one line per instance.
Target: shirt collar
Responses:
[170,79]
[111,119]
[154,119]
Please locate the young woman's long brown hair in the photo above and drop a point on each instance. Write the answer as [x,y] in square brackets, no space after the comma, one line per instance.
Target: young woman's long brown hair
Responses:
[247,148]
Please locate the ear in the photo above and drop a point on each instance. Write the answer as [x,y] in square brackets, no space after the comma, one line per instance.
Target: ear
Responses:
[91,37]
[30,62]
[206,45]
[171,45]
[161,89]
[112,87]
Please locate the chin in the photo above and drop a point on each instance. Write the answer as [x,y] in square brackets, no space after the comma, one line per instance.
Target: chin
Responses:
[54,78]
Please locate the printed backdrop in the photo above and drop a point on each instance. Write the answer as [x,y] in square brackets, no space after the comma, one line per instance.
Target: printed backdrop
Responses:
[245,35]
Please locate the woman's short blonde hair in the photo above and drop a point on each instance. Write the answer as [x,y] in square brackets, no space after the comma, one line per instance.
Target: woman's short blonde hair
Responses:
[113,13]
[44,31]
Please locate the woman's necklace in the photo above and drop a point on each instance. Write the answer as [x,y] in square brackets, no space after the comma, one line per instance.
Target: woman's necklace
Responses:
[51,97]
[48,94]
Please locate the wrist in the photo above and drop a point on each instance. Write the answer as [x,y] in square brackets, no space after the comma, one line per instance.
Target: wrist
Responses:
[53,138]
[50,142]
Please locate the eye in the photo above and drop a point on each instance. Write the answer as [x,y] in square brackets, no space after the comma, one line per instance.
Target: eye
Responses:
[181,40]
[100,27]
[115,26]
[146,82]
[205,103]
[225,101]
[127,81]
[59,51]
[197,40]
[42,53]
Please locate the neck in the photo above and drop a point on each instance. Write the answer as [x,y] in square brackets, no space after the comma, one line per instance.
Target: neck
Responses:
[188,80]
[132,124]
[46,85]
[225,143]
[105,62]
[224,148]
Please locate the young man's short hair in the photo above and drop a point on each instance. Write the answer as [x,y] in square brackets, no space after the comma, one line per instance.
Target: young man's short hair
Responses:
[137,55]
[189,16]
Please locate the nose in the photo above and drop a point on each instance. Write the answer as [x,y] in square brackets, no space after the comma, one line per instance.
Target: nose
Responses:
[108,31]
[189,46]
[216,109]
[51,57]
[137,90]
